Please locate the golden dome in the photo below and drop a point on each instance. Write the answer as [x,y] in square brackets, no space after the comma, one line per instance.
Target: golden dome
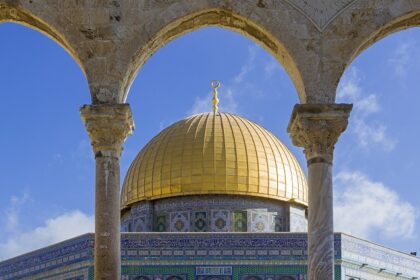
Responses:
[214,153]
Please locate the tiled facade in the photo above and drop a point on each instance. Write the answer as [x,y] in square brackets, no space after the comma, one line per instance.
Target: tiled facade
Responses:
[214,213]
[212,256]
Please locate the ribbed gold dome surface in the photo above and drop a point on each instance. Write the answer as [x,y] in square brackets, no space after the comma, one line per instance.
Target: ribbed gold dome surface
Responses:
[214,153]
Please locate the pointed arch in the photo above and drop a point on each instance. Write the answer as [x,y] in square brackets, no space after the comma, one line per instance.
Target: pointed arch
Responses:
[405,21]
[214,17]
[27,18]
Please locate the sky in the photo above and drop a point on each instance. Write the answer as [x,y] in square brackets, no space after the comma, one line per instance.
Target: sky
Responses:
[47,166]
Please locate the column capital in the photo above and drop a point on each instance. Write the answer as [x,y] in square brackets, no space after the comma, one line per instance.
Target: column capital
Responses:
[108,125]
[316,128]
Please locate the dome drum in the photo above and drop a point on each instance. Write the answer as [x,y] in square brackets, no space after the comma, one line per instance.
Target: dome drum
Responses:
[214,213]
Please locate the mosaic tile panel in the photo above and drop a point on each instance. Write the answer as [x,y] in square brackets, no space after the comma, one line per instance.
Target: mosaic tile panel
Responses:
[165,272]
[77,250]
[215,213]
[180,221]
[240,219]
[215,202]
[220,221]
[155,277]
[125,226]
[140,224]
[258,221]
[285,272]
[161,223]
[218,277]
[200,222]
[240,256]
[271,277]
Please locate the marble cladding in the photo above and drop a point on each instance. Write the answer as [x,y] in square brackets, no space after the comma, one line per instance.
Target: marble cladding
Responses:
[214,213]
[298,221]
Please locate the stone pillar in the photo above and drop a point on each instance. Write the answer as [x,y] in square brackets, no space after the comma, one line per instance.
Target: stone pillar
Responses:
[316,128]
[107,126]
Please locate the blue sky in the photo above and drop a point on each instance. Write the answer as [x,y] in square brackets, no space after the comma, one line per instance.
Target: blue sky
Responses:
[47,168]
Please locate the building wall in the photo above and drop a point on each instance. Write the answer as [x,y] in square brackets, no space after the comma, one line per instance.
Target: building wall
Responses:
[212,256]
[71,260]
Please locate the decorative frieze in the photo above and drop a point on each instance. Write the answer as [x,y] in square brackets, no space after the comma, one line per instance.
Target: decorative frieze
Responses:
[241,252]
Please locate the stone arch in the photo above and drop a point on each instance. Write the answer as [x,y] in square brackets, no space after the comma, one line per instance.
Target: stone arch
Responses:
[19,15]
[358,28]
[403,22]
[215,17]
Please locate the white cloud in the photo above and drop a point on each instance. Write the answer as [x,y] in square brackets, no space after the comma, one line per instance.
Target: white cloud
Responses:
[12,213]
[363,208]
[350,89]
[372,134]
[249,64]
[367,105]
[232,92]
[201,104]
[53,230]
[271,67]
[402,57]
[227,102]
[56,160]
[228,97]
[368,134]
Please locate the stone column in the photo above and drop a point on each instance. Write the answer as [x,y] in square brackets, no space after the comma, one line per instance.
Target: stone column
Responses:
[107,126]
[316,128]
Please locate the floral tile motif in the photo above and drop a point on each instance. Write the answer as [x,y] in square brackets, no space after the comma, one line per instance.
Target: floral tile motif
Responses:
[200,222]
[259,221]
[220,221]
[240,221]
[180,221]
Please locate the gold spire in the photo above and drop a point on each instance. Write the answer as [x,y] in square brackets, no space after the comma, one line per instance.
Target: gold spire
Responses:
[215,84]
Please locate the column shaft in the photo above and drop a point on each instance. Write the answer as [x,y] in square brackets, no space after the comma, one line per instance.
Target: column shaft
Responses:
[320,224]
[108,125]
[107,218]
[316,128]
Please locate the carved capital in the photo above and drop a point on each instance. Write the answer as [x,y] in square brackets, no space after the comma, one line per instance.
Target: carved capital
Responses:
[316,128]
[108,125]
